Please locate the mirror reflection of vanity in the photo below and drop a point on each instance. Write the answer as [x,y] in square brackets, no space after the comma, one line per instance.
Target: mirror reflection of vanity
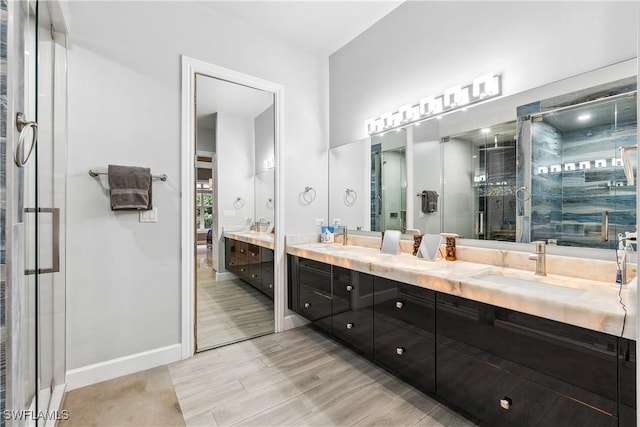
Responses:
[486,163]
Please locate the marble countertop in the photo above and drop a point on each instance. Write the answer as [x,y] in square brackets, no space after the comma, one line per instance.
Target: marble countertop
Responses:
[253,237]
[590,304]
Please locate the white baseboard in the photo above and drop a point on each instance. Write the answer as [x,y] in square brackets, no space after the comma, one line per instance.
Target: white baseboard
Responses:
[225,276]
[115,368]
[293,321]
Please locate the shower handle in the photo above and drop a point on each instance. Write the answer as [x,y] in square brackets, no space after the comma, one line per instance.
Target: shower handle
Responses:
[22,124]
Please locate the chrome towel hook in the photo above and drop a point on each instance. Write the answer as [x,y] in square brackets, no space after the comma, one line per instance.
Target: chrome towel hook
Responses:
[525,191]
[21,157]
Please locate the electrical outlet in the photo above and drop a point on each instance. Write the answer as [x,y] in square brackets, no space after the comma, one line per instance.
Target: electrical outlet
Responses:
[337,221]
[319,221]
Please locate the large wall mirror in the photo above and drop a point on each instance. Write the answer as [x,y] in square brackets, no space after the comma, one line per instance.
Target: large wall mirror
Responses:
[234,190]
[519,168]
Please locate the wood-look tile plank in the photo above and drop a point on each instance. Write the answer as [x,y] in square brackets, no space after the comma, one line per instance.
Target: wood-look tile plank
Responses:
[254,403]
[284,414]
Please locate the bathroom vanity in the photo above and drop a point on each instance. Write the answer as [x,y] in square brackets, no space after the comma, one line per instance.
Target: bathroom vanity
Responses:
[250,257]
[502,354]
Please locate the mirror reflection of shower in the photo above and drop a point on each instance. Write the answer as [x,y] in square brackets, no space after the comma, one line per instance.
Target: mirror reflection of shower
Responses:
[492,199]
[389,181]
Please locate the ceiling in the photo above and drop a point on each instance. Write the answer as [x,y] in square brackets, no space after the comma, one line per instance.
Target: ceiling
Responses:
[320,26]
[219,96]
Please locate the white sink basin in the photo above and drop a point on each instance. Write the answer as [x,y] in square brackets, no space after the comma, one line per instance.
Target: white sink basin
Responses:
[530,283]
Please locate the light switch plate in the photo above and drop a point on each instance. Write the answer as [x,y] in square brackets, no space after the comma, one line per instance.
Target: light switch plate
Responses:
[149,216]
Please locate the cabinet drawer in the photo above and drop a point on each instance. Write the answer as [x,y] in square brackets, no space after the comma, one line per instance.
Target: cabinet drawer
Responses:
[574,361]
[481,388]
[314,275]
[408,305]
[410,354]
[355,328]
[313,304]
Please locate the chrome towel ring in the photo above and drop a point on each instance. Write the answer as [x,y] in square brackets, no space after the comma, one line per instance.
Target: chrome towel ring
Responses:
[238,203]
[350,197]
[309,194]
[524,190]
[21,156]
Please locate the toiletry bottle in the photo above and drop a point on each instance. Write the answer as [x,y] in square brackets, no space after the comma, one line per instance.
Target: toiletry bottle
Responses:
[450,254]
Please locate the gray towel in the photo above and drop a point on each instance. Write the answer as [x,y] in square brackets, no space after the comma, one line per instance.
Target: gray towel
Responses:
[429,201]
[129,187]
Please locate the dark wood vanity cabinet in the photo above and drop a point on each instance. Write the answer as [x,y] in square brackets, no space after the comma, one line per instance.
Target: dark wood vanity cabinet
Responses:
[237,258]
[511,369]
[497,366]
[404,331]
[267,271]
[251,263]
[352,309]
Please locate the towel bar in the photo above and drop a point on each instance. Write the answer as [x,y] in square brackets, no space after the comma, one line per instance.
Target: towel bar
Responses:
[95,172]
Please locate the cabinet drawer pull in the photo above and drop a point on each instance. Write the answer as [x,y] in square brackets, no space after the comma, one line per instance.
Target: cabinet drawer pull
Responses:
[307,304]
[399,304]
[243,269]
[349,288]
[350,325]
[505,403]
[242,251]
[254,254]
[270,286]
[254,276]
[400,351]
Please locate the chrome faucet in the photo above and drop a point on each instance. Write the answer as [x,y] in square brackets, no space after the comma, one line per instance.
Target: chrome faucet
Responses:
[344,235]
[540,258]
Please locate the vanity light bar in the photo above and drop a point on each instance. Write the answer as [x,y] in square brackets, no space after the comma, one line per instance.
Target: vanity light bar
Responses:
[454,98]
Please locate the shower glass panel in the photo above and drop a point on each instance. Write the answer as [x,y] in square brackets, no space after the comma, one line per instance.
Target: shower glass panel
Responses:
[580,195]
[389,181]
[494,167]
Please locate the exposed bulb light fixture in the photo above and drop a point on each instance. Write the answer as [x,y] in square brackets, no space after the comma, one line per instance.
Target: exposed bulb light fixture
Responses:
[584,117]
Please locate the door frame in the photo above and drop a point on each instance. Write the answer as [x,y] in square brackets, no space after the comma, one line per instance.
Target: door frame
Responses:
[191,67]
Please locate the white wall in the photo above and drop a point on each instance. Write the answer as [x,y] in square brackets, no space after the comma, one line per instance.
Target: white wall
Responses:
[426,175]
[422,48]
[206,138]
[123,277]
[350,168]
[457,197]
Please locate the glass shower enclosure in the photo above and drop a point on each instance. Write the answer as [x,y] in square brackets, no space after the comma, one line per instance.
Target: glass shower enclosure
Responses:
[580,194]
[32,194]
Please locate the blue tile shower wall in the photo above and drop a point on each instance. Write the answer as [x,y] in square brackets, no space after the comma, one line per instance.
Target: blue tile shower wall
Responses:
[546,188]
[568,205]
[3,186]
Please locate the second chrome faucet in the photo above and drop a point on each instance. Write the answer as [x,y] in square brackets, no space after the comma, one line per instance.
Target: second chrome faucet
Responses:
[540,258]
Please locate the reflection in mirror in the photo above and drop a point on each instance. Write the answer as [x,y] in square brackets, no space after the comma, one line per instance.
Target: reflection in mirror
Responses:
[477,193]
[479,170]
[349,169]
[389,181]
[580,195]
[234,190]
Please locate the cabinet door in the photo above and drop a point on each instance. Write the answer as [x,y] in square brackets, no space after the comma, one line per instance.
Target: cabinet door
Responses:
[497,397]
[238,260]
[407,305]
[404,327]
[627,381]
[314,279]
[408,353]
[575,363]
[266,262]
[352,310]
[254,268]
